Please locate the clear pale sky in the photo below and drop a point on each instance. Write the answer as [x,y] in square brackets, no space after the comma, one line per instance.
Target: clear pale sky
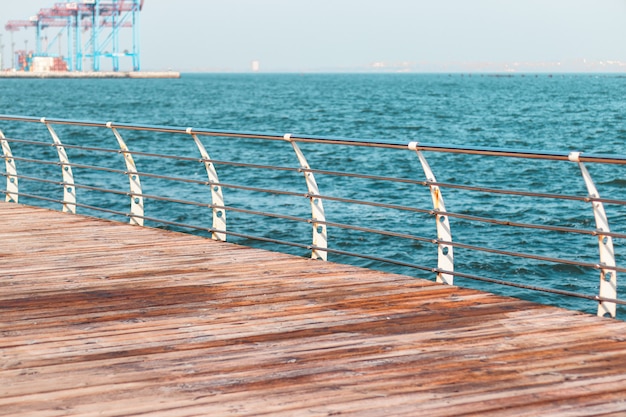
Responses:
[369,35]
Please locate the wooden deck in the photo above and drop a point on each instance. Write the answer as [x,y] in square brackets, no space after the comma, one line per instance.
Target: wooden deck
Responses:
[106,319]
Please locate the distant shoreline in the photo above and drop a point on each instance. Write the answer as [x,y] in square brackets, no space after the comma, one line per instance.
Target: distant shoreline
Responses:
[178,74]
[91,74]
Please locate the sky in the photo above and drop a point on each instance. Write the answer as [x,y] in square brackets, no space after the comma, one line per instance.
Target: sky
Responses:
[369,35]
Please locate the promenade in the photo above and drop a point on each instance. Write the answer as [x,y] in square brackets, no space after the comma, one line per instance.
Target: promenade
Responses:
[100,318]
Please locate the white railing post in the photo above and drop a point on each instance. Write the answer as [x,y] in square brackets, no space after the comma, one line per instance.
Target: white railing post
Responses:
[608,277]
[217,198]
[136,192]
[318,216]
[445,252]
[12,186]
[69,189]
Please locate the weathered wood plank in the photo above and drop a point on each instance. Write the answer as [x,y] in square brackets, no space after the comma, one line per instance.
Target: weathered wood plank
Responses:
[101,318]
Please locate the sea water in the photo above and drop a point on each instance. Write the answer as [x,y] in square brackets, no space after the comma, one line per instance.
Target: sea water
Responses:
[546,112]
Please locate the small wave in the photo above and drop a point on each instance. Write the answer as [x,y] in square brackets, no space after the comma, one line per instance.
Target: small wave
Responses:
[412,128]
[570,270]
[616,182]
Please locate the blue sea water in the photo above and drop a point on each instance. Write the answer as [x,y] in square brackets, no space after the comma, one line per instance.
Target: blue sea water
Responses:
[574,112]
[532,111]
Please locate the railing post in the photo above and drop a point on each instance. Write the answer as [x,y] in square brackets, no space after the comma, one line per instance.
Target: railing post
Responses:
[445,252]
[136,192]
[69,190]
[318,216]
[217,198]
[12,187]
[608,277]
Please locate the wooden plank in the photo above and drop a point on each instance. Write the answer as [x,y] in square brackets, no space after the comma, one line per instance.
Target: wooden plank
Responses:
[107,319]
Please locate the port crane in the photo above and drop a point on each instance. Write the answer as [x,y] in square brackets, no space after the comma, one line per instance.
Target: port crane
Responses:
[92,27]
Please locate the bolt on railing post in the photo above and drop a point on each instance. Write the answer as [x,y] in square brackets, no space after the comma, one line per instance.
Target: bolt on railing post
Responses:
[12,186]
[318,216]
[608,277]
[445,252]
[136,192]
[217,198]
[69,190]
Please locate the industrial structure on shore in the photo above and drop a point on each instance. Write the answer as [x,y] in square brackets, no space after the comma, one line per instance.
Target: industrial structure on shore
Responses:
[93,32]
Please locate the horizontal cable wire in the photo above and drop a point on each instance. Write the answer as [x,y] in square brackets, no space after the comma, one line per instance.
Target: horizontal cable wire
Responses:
[157,155]
[347,227]
[530,287]
[470,276]
[585,199]
[324,172]
[529,225]
[335,173]
[342,252]
[530,256]
[361,202]
[372,258]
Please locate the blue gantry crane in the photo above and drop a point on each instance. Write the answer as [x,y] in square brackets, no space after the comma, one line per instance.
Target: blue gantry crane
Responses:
[93,30]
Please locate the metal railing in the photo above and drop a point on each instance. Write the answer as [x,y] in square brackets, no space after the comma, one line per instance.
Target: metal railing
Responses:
[512,212]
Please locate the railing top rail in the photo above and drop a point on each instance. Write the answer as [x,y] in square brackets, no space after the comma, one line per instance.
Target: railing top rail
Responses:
[378,143]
